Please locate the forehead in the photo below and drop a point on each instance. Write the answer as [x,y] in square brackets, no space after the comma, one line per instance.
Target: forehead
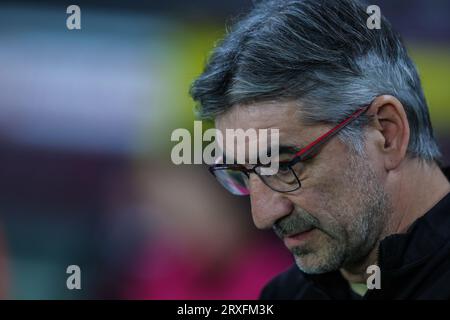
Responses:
[263,115]
[284,116]
[260,115]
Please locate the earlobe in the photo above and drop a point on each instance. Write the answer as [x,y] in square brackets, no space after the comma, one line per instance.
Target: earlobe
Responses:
[392,123]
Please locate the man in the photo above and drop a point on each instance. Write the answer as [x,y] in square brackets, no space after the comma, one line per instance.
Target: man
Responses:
[359,183]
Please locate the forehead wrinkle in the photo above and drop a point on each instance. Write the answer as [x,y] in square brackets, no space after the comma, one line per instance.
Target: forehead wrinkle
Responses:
[263,115]
[285,116]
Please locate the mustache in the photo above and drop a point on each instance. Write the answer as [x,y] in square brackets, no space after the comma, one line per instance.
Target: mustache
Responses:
[297,222]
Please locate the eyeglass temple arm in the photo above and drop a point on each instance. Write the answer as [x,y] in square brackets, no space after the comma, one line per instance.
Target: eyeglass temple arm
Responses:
[313,146]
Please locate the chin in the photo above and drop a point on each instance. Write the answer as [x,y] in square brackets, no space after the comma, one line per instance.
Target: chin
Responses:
[318,262]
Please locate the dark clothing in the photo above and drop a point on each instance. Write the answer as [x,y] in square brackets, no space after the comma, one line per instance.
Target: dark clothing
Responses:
[414,265]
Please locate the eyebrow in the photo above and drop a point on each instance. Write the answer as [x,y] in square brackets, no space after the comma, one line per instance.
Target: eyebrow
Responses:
[286,149]
[289,149]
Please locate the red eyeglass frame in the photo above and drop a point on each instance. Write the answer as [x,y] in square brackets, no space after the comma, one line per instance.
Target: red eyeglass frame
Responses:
[306,153]
[311,149]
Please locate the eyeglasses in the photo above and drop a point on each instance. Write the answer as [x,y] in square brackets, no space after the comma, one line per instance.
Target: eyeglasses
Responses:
[235,177]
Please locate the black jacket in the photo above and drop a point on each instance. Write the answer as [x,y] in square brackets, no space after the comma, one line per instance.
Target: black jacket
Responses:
[414,265]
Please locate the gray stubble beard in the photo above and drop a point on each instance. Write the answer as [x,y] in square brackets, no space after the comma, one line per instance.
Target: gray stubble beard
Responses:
[348,247]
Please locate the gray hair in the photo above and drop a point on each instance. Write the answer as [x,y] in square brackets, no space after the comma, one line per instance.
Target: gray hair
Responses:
[320,53]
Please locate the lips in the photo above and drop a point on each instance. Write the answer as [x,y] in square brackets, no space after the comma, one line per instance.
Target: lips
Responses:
[298,231]
[298,238]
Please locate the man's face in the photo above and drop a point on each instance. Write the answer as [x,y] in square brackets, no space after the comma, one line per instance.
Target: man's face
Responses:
[337,216]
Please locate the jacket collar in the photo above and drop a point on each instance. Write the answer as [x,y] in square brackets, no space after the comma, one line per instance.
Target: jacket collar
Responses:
[425,236]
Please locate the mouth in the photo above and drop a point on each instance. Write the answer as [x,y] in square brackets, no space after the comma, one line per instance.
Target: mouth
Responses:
[297,239]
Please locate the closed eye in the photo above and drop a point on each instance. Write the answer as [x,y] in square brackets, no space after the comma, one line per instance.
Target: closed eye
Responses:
[283,167]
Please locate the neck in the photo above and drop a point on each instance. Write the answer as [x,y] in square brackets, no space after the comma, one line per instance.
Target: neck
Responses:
[415,188]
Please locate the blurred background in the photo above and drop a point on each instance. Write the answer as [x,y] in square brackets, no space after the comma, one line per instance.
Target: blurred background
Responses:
[85,174]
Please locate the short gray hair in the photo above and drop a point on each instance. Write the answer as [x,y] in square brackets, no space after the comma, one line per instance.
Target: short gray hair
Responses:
[322,54]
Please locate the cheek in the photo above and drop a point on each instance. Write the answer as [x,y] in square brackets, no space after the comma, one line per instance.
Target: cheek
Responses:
[325,179]
[329,200]
[328,191]
[324,188]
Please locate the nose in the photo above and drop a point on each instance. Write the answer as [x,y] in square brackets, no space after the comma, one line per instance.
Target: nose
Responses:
[267,205]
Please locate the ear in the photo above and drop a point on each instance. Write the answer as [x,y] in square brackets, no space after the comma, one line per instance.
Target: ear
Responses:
[390,120]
